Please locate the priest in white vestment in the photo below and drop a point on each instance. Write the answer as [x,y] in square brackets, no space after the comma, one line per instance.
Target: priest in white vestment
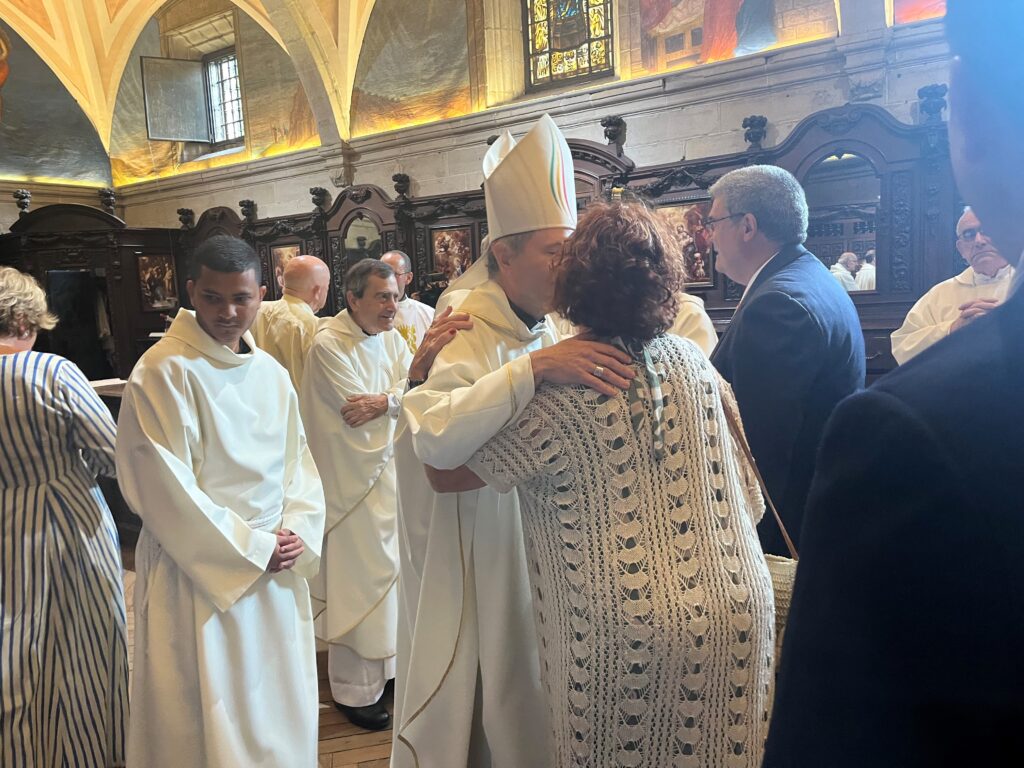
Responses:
[468,684]
[865,279]
[350,401]
[413,318]
[212,456]
[284,329]
[953,303]
[843,270]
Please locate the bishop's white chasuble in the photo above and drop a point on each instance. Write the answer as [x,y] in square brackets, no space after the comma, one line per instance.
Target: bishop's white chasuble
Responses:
[211,455]
[465,607]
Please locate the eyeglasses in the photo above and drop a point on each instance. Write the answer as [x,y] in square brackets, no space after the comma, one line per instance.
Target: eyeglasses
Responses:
[709,224]
[971,234]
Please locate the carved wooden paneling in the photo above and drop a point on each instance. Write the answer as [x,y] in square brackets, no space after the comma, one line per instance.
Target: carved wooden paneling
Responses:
[421,257]
[900,242]
[337,264]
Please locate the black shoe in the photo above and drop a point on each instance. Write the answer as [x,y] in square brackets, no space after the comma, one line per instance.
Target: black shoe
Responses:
[374,717]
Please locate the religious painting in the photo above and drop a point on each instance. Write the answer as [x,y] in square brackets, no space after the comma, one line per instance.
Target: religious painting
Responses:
[567,39]
[451,251]
[280,255]
[908,11]
[157,283]
[686,222]
[681,33]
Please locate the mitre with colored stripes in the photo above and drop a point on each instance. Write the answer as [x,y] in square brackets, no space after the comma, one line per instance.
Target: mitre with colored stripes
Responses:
[529,185]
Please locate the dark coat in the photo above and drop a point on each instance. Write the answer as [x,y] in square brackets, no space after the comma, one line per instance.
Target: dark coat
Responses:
[904,644]
[793,350]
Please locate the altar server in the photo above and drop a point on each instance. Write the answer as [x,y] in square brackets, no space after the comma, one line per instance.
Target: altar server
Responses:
[212,456]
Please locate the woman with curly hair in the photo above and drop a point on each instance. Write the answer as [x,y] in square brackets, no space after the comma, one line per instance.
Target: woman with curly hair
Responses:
[653,604]
[64,684]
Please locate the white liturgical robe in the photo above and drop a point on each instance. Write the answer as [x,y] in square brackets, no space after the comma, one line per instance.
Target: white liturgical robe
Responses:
[465,607]
[412,320]
[844,276]
[930,319]
[211,455]
[865,279]
[355,594]
[693,323]
[284,329]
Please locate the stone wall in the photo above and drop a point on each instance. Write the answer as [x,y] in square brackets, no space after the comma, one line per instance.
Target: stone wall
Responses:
[691,113]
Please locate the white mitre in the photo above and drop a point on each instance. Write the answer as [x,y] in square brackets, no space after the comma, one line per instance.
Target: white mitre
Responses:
[528,186]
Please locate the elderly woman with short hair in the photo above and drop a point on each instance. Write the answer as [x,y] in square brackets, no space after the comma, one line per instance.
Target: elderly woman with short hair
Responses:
[653,602]
[64,685]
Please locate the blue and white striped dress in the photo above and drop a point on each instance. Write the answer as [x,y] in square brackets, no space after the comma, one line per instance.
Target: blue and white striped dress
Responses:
[63,648]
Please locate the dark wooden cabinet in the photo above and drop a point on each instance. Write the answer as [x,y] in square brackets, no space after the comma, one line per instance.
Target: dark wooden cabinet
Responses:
[111,285]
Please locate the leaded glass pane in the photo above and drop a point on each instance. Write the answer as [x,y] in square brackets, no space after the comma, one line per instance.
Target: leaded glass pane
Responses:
[540,37]
[567,39]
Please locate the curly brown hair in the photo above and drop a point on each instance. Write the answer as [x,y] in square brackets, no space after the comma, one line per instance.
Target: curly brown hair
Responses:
[620,272]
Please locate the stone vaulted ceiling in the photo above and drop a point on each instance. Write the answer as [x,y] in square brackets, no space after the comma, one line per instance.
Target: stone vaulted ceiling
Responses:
[87,43]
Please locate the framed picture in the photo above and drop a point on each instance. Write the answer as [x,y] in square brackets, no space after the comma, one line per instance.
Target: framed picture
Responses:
[685,219]
[451,250]
[158,284]
[280,255]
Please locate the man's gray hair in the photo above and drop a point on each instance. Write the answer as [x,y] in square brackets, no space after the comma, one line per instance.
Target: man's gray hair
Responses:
[772,195]
[359,275]
[515,242]
[406,261]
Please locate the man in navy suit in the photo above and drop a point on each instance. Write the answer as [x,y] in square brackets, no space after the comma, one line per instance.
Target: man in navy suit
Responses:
[794,348]
[904,641]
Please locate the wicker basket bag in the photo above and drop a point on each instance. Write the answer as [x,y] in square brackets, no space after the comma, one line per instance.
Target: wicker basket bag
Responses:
[781,569]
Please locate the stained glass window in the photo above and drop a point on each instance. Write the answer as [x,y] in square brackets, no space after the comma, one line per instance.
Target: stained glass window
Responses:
[567,39]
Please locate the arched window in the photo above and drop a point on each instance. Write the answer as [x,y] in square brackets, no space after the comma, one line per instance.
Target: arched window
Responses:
[567,40]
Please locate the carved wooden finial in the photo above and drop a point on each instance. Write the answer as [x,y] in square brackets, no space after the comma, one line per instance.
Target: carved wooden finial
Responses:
[248,208]
[933,101]
[402,185]
[107,200]
[320,196]
[187,217]
[615,132]
[23,199]
[756,129]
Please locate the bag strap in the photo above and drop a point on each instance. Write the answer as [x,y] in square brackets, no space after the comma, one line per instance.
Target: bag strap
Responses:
[732,418]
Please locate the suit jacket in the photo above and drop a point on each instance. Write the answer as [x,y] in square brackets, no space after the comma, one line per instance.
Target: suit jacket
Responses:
[793,350]
[904,640]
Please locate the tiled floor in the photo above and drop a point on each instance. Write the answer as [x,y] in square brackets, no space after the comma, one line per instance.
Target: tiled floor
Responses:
[342,745]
